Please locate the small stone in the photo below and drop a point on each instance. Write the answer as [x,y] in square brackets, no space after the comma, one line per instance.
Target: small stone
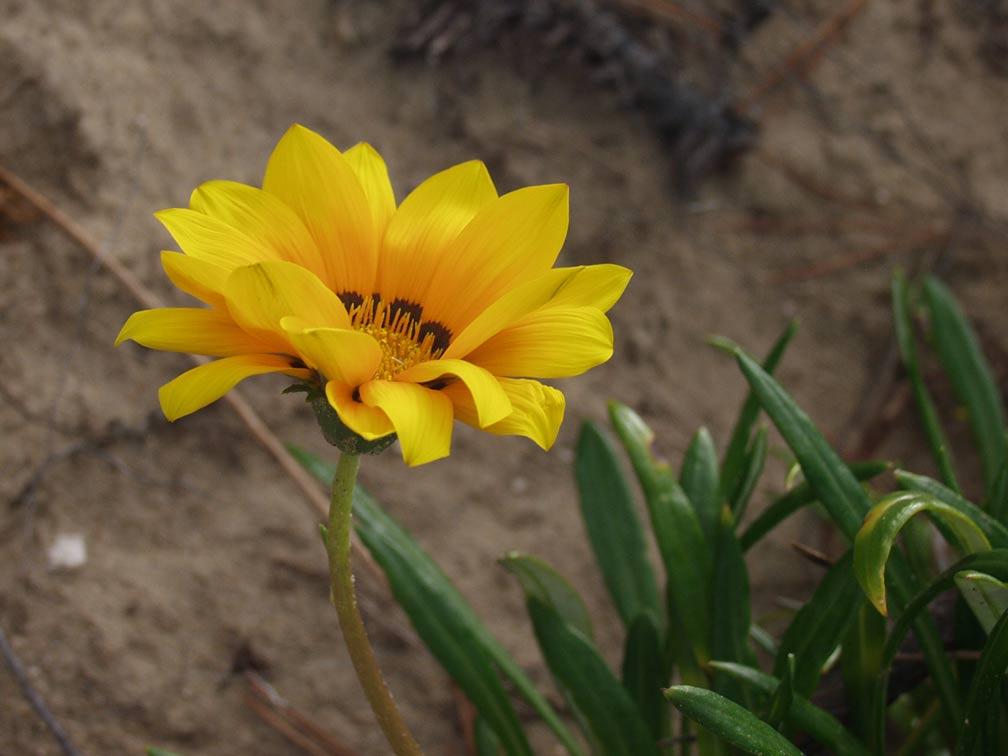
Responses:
[68,552]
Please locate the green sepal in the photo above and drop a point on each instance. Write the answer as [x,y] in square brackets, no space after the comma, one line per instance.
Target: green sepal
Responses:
[333,429]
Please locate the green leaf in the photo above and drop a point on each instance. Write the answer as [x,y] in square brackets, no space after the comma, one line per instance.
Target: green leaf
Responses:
[986,595]
[432,607]
[837,489]
[485,739]
[754,462]
[908,352]
[860,664]
[731,614]
[538,579]
[819,626]
[415,571]
[733,464]
[642,670]
[581,672]
[730,721]
[800,496]
[881,527]
[993,562]
[783,696]
[802,715]
[996,533]
[153,751]
[847,503]
[699,479]
[997,499]
[985,688]
[614,529]
[681,542]
[970,375]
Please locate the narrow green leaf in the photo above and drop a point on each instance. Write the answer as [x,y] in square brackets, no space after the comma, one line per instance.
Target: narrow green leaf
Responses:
[734,459]
[153,751]
[882,526]
[986,595]
[997,499]
[996,533]
[699,479]
[643,675]
[578,668]
[847,503]
[432,610]
[993,562]
[731,613]
[860,664]
[783,696]
[800,496]
[970,375]
[803,715]
[485,739]
[730,721]
[614,529]
[417,568]
[837,489]
[681,542]
[753,468]
[908,352]
[538,579]
[985,688]
[819,626]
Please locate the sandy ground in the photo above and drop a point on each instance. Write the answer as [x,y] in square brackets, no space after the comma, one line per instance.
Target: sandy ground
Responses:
[892,151]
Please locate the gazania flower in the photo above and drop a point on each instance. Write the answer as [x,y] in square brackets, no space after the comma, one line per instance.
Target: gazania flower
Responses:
[444,307]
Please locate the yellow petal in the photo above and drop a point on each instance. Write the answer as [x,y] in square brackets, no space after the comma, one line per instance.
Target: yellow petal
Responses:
[426,222]
[260,296]
[344,356]
[202,279]
[213,240]
[369,423]
[316,181]
[598,286]
[189,329]
[422,418]
[513,306]
[370,168]
[511,240]
[488,397]
[537,410]
[262,218]
[551,343]
[207,383]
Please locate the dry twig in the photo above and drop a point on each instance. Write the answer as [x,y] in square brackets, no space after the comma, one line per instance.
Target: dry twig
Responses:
[804,58]
[146,298]
[297,727]
[33,697]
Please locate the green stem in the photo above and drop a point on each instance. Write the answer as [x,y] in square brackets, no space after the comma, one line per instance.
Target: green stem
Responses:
[343,598]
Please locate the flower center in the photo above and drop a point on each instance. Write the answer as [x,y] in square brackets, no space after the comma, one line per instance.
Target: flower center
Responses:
[397,326]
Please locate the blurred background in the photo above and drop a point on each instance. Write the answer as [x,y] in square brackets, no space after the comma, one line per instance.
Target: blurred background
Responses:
[750,161]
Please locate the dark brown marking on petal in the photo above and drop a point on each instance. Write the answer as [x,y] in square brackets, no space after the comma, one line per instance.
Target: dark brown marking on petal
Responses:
[442,336]
[356,395]
[350,299]
[413,309]
[298,364]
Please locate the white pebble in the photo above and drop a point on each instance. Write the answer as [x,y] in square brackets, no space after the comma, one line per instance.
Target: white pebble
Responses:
[68,552]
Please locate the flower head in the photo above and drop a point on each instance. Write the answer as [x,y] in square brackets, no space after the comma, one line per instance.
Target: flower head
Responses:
[407,317]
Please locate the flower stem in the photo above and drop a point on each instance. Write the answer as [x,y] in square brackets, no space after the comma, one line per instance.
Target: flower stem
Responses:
[344,599]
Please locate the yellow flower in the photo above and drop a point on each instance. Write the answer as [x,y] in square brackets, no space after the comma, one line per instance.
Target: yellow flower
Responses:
[445,307]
